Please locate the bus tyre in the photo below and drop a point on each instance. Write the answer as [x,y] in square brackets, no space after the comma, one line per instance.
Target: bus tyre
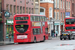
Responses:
[34,39]
[73,38]
[69,38]
[60,38]
[43,38]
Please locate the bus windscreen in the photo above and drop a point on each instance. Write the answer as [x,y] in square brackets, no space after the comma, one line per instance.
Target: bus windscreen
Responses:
[21,28]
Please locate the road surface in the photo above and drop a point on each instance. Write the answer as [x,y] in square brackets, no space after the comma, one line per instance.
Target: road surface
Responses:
[54,44]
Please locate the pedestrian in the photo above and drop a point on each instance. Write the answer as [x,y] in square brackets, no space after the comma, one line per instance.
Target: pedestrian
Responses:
[56,32]
[52,33]
[10,36]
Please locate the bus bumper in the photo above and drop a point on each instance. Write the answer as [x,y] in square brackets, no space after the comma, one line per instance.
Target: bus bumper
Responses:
[21,40]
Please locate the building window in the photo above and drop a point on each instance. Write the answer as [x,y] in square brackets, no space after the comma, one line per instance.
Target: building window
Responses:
[36,0]
[66,5]
[32,3]
[23,9]
[14,10]
[61,15]
[7,6]
[50,0]
[29,10]
[54,3]
[69,5]
[63,4]
[11,9]
[42,11]
[32,11]
[27,2]
[57,3]
[36,10]
[26,9]
[57,15]
[20,10]
[50,12]
[32,0]
[14,0]
[41,0]
[17,9]
[54,15]
[20,1]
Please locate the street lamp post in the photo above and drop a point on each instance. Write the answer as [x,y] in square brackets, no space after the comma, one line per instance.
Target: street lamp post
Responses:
[50,22]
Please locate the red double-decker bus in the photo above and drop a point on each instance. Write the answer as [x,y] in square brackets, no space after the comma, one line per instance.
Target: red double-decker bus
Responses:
[30,28]
[70,26]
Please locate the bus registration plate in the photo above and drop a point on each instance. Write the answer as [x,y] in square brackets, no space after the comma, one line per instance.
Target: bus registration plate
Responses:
[21,36]
[64,34]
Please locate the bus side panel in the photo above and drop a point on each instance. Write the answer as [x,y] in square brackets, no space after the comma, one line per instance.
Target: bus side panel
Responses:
[32,36]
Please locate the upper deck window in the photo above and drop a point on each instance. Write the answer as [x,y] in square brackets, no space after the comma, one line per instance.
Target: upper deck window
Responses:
[70,21]
[21,18]
[38,18]
[68,28]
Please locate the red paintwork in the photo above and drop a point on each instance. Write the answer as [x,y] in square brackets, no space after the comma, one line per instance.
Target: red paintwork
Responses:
[69,25]
[29,32]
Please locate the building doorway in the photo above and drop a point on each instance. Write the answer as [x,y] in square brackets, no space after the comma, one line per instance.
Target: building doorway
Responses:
[1,31]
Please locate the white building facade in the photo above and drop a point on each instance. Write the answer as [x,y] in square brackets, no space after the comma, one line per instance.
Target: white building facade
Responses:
[46,8]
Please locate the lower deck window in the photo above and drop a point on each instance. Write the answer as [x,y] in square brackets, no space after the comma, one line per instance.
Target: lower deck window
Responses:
[36,31]
[46,30]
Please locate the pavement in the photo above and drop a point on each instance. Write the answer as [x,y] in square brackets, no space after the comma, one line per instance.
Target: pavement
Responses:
[7,42]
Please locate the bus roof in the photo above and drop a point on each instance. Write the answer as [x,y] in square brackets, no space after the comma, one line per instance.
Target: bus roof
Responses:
[70,18]
[31,14]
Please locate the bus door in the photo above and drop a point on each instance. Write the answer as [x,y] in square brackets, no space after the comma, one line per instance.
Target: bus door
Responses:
[36,33]
[46,32]
[42,30]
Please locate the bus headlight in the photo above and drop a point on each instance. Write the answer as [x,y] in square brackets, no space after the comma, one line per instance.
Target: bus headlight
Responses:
[14,31]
